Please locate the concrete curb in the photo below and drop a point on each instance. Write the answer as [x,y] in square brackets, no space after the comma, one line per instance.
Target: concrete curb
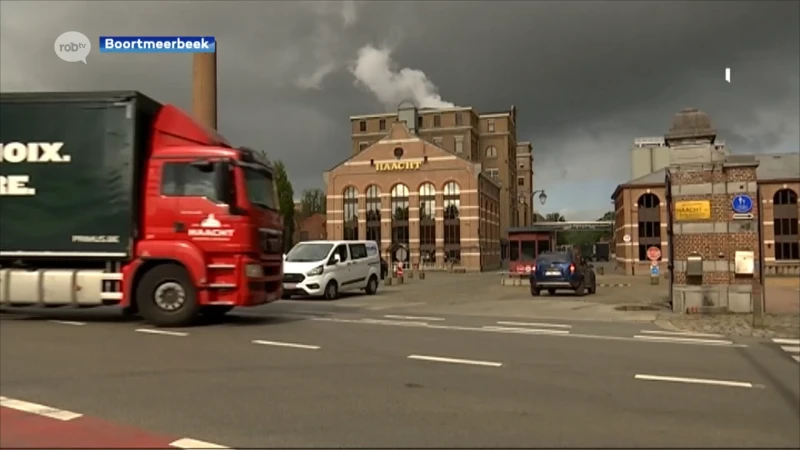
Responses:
[615,285]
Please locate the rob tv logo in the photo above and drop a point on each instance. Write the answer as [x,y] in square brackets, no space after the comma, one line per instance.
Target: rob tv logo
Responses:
[73,46]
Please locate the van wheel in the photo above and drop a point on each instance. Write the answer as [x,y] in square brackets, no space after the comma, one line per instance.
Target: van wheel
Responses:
[372,285]
[331,291]
[166,297]
[551,291]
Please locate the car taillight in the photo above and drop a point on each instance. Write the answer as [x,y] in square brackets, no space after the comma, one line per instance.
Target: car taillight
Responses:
[533,268]
[572,268]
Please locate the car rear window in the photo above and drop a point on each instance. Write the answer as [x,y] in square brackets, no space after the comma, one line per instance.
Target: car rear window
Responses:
[557,258]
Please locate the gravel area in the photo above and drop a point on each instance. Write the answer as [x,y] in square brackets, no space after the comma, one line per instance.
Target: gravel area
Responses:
[781,326]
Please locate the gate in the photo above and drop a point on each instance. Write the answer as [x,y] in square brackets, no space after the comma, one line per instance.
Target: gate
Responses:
[670,234]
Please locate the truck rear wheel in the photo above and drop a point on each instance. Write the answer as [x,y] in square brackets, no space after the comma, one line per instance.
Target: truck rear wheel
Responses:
[167,298]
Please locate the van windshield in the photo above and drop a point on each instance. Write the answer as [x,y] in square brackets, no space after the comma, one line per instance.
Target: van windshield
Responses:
[308,252]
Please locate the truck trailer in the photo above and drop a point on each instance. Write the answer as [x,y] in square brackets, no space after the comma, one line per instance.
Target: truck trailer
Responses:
[111,198]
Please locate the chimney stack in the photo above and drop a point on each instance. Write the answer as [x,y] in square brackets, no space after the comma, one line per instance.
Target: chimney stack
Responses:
[204,88]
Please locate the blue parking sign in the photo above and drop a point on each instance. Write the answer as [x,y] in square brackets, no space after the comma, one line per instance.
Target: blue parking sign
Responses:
[654,271]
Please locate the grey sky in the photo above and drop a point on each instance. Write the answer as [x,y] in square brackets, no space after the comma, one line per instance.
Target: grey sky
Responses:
[586,77]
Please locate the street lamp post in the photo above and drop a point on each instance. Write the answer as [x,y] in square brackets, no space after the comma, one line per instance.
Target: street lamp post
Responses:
[542,200]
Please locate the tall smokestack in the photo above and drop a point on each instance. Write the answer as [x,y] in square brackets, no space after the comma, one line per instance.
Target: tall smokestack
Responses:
[204,88]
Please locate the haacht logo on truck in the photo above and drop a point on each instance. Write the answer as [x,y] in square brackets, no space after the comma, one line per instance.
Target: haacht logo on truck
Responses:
[31,153]
[211,228]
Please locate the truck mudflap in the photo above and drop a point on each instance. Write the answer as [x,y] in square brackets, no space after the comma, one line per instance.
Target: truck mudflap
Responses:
[59,287]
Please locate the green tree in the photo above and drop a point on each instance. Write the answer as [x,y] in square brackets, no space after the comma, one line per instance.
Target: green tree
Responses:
[554,217]
[608,216]
[312,202]
[286,202]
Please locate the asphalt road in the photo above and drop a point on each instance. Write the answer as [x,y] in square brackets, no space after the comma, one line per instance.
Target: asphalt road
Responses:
[322,377]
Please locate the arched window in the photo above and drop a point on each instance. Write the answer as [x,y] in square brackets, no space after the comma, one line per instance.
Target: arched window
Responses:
[452,222]
[374,214]
[784,207]
[427,223]
[491,151]
[399,221]
[649,224]
[350,214]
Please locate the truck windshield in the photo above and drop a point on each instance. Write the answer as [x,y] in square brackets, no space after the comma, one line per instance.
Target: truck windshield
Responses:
[308,252]
[261,190]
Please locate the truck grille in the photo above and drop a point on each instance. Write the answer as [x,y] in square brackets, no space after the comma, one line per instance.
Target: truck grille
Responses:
[271,242]
[293,278]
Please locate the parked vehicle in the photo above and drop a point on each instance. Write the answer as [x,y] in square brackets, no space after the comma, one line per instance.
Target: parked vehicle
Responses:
[562,270]
[326,268]
[114,198]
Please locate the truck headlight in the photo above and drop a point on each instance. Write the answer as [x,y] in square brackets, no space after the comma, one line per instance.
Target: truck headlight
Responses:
[316,271]
[253,271]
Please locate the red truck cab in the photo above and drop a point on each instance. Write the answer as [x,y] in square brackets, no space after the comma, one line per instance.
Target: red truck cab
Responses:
[213,209]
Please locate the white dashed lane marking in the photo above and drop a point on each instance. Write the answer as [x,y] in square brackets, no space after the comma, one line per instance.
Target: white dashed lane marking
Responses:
[741,384]
[682,333]
[40,410]
[286,344]
[683,340]
[791,346]
[67,322]
[529,324]
[194,443]
[162,332]
[424,319]
[447,360]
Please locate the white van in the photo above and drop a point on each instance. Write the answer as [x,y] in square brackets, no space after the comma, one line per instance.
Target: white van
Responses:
[326,268]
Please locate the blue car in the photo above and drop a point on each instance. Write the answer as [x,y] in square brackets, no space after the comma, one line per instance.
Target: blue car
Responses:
[562,270]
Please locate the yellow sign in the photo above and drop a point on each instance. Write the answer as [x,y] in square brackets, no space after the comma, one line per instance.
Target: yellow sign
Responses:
[398,166]
[693,210]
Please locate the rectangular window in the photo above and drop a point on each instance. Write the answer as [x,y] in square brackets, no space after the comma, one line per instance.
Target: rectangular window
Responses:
[437,141]
[419,122]
[528,250]
[513,247]
[459,144]
[382,125]
[520,181]
[362,146]
[459,119]
[185,180]
[490,125]
[362,126]
[358,251]
[493,173]
[437,121]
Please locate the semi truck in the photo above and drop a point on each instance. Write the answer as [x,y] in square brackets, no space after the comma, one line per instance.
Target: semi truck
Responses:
[111,198]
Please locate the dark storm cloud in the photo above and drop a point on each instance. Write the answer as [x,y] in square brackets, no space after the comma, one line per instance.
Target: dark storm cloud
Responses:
[586,77]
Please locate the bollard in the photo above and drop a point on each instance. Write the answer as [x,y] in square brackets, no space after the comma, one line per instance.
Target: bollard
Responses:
[601,270]
[655,279]
[411,274]
[400,280]
[388,281]
[421,275]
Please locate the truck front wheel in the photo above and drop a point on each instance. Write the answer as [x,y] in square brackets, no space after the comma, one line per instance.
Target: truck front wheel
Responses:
[167,298]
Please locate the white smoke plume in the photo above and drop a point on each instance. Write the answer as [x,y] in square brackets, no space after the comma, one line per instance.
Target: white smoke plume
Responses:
[376,71]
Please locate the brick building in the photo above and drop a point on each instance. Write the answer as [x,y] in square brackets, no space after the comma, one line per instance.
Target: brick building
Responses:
[642,220]
[425,194]
[525,207]
[487,139]
[313,227]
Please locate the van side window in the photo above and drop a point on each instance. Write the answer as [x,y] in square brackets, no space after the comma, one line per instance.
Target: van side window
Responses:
[358,251]
[372,250]
[341,251]
[183,180]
